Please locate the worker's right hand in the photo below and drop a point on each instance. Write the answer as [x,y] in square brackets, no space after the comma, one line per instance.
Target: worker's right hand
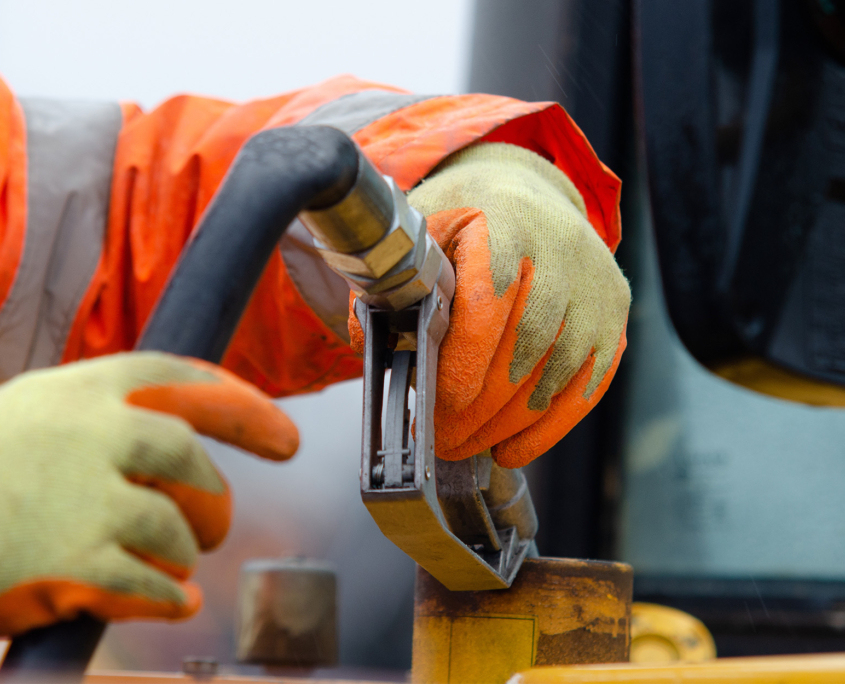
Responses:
[105,500]
[537,324]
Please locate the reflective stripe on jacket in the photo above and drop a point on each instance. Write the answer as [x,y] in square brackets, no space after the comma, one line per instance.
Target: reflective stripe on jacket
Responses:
[98,200]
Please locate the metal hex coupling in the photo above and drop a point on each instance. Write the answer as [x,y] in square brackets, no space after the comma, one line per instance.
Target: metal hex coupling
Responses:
[378,242]
[408,283]
[394,248]
[384,214]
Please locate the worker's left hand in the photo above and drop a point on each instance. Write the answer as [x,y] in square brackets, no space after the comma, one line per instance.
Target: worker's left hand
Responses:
[106,495]
[538,321]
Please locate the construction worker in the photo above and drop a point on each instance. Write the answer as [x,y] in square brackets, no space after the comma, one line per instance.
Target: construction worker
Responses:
[106,495]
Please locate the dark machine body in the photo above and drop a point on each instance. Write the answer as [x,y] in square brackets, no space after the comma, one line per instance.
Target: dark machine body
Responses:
[726,122]
[742,113]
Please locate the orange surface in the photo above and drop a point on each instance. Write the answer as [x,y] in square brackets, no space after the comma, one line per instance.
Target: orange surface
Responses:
[12,188]
[45,601]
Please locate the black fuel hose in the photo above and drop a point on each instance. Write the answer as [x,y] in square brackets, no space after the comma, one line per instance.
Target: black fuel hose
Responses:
[277,174]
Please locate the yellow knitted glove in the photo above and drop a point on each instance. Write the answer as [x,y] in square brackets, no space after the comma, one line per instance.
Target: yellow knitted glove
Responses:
[538,321]
[105,504]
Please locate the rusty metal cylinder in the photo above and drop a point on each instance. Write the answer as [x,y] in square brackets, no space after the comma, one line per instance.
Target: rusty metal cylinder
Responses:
[287,613]
[557,612]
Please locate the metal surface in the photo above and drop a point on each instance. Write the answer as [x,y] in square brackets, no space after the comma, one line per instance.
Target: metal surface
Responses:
[460,487]
[431,509]
[200,667]
[398,482]
[397,271]
[402,227]
[509,501]
[557,611]
[394,262]
[360,219]
[287,613]
[416,280]
[660,634]
[815,669]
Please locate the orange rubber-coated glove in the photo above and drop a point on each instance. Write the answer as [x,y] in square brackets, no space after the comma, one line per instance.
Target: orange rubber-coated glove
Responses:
[538,320]
[106,495]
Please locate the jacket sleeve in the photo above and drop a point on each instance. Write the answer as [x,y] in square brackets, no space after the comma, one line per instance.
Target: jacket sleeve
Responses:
[167,165]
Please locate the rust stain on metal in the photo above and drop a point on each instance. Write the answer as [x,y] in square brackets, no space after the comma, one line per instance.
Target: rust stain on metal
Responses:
[580,612]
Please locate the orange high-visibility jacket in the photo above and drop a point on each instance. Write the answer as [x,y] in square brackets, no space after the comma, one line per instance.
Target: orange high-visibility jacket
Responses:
[98,200]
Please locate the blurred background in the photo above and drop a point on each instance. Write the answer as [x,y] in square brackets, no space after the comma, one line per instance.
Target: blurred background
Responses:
[728,503]
[147,52]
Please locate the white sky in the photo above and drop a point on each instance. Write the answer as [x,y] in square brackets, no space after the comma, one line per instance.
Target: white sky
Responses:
[236,49]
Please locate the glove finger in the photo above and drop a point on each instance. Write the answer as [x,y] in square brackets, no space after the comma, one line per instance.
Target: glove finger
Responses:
[513,417]
[609,339]
[606,361]
[167,456]
[127,588]
[574,345]
[214,401]
[119,572]
[566,410]
[477,350]
[517,434]
[356,332]
[477,354]
[150,525]
[511,433]
[459,435]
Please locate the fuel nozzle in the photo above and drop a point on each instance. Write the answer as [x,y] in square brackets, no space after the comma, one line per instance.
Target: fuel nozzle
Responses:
[468,523]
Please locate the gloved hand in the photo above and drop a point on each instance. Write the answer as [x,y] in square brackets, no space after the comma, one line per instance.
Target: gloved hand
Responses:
[538,321]
[105,500]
